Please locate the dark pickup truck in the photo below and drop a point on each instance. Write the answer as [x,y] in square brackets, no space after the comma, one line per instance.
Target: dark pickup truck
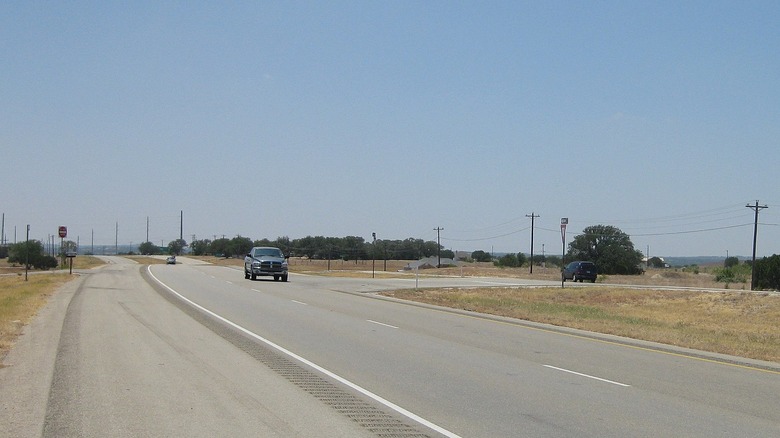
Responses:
[265,261]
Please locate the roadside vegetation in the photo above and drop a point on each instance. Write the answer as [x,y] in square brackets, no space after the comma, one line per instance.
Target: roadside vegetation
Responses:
[742,324]
[21,300]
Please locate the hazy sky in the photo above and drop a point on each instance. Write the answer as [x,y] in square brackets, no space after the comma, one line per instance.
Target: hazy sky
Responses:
[268,119]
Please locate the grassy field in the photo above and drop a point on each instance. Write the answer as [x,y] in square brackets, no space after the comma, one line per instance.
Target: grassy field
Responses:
[732,321]
[737,323]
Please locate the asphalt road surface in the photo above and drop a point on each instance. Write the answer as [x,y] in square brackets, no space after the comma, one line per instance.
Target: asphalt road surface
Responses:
[196,350]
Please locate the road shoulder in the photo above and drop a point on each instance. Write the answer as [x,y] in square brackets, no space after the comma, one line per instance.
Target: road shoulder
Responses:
[28,368]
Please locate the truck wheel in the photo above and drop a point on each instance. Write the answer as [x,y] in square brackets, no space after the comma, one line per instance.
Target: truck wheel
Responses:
[254,277]
[284,278]
[276,278]
[246,275]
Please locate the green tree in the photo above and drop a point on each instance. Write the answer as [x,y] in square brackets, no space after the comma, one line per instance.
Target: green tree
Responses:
[730,262]
[239,246]
[149,248]
[608,247]
[200,247]
[175,247]
[481,256]
[511,260]
[656,262]
[448,254]
[29,252]
[219,247]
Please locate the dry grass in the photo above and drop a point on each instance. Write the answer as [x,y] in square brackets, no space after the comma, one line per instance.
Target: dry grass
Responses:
[20,301]
[737,323]
[145,260]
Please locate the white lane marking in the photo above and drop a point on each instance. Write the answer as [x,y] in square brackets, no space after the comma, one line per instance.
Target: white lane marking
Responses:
[367,393]
[255,290]
[299,302]
[586,375]
[381,323]
[229,282]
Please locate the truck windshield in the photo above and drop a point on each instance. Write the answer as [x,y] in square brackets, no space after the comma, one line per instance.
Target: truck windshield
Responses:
[273,252]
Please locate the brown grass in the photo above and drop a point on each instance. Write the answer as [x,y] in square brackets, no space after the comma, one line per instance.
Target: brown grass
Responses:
[20,301]
[737,323]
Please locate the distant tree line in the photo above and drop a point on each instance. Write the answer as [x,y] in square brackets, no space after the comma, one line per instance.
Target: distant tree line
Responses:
[607,246]
[313,247]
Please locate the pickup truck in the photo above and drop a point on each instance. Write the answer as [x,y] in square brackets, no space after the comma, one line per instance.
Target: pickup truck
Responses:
[265,261]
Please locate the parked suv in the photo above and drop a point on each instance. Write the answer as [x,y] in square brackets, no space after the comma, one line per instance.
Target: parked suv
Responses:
[579,271]
[265,261]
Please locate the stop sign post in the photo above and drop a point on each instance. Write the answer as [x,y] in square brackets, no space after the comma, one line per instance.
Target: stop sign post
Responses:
[63,232]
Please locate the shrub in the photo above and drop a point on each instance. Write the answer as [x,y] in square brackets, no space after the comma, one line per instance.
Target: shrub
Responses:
[45,262]
[768,273]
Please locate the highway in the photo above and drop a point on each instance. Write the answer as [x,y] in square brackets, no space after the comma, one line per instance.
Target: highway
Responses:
[197,350]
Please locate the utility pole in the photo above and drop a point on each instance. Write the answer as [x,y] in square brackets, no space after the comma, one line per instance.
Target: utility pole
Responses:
[438,240]
[755,208]
[181,226]
[373,254]
[27,253]
[532,216]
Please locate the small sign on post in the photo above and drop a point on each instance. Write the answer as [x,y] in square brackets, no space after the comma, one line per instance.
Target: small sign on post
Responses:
[564,222]
[63,232]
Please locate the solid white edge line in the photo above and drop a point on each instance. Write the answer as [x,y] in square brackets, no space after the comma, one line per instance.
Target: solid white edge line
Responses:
[586,375]
[381,323]
[330,374]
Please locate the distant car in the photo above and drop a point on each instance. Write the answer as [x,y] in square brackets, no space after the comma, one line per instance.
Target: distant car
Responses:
[579,271]
[170,260]
[265,261]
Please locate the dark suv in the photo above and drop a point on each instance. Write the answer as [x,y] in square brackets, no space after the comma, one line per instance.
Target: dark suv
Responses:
[579,271]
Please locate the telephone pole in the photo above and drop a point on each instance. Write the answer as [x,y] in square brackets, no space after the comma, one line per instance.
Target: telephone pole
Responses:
[755,208]
[438,240]
[532,216]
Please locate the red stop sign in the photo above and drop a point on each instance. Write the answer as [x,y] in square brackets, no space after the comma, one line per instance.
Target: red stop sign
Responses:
[63,232]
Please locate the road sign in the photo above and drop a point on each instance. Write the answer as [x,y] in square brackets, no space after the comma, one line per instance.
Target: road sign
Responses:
[63,232]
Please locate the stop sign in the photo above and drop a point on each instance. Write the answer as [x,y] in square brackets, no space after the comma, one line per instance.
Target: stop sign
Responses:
[63,232]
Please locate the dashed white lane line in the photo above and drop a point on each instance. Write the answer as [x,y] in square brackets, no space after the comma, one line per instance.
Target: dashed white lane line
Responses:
[299,302]
[381,323]
[588,376]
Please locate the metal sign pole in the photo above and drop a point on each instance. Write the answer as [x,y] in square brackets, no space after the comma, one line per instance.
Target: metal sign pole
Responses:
[564,222]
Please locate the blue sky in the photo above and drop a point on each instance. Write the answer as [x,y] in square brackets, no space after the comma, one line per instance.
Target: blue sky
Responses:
[268,119]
